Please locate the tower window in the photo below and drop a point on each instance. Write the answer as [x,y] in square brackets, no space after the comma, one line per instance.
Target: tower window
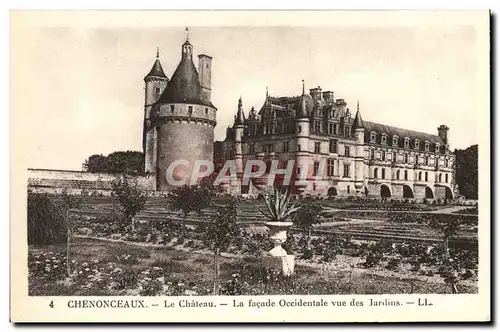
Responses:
[285,146]
[317,147]
[157,90]
[190,109]
[316,167]
[426,177]
[206,111]
[383,173]
[406,175]
[172,108]
[299,129]
[346,170]
[347,151]
[298,147]
[333,146]
[331,167]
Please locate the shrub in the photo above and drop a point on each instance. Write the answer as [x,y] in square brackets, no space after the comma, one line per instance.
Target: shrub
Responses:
[46,224]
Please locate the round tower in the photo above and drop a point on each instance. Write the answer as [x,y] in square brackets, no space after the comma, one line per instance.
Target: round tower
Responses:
[185,119]
[155,83]
[359,163]
[302,154]
[239,126]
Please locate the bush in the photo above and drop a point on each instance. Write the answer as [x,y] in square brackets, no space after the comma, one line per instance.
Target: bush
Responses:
[46,224]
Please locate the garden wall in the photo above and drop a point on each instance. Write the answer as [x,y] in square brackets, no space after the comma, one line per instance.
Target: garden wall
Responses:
[77,182]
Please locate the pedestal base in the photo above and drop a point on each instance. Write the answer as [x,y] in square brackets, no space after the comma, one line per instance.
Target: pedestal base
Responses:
[285,264]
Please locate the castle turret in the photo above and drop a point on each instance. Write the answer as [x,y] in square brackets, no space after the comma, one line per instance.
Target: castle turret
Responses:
[239,126]
[155,83]
[303,157]
[359,135]
[185,120]
[443,134]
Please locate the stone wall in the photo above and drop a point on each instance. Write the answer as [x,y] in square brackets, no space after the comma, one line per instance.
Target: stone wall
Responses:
[76,182]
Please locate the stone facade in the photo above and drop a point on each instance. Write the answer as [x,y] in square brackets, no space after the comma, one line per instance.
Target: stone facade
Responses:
[360,158]
[179,117]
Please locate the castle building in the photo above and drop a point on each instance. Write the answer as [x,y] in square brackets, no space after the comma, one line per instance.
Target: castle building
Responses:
[179,117]
[361,158]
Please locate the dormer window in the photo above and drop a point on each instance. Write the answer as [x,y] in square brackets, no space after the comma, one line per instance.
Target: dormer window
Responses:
[437,147]
[427,144]
[395,140]
[373,137]
[417,144]
[407,142]
[384,139]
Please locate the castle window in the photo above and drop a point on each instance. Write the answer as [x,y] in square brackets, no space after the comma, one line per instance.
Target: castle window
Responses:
[394,157]
[420,176]
[335,130]
[251,148]
[407,142]
[406,158]
[446,163]
[427,144]
[346,170]
[317,146]
[397,175]
[383,155]
[383,173]
[333,146]
[172,108]
[285,146]
[299,129]
[286,127]
[440,178]
[330,128]
[330,167]
[373,138]
[315,168]
[190,109]
[347,151]
[394,140]
[446,177]
[298,147]
[317,126]
[437,147]
[348,189]
[157,90]
[426,177]
[375,173]
[427,160]
[206,111]
[417,143]
[372,154]
[406,175]
[384,139]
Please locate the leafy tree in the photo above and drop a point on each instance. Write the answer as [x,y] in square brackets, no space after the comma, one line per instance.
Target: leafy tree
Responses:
[189,199]
[96,163]
[131,198]
[467,170]
[306,217]
[220,233]
[126,162]
[46,222]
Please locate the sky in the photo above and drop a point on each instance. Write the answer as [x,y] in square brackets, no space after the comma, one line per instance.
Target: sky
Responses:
[85,90]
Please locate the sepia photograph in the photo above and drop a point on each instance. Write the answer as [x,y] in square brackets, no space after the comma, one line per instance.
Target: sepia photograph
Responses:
[266,165]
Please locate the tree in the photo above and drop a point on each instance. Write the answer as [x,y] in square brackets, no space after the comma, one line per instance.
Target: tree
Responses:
[96,163]
[120,162]
[220,232]
[189,199]
[69,203]
[131,198]
[46,222]
[467,170]
[306,217]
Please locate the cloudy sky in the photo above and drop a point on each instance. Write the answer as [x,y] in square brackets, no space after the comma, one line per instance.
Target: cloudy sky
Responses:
[82,86]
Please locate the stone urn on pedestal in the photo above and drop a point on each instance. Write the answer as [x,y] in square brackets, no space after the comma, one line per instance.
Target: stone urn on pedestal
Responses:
[278,211]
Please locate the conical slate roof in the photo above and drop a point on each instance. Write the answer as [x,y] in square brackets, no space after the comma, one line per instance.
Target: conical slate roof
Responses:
[184,86]
[240,116]
[358,122]
[157,70]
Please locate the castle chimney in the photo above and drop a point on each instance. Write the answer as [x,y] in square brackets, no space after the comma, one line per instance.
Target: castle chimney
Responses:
[328,96]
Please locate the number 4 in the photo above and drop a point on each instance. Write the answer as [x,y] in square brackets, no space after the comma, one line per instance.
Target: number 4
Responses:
[51,304]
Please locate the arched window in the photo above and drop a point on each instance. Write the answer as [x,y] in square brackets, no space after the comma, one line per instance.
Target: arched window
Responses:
[375,173]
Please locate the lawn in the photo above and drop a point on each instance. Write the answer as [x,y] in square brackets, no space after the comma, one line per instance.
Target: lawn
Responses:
[110,268]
